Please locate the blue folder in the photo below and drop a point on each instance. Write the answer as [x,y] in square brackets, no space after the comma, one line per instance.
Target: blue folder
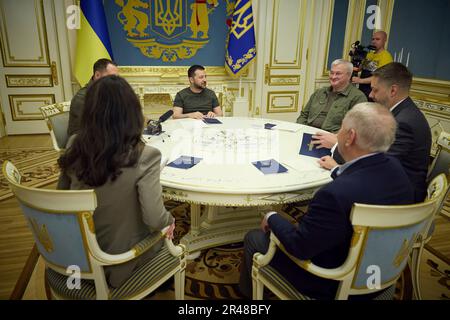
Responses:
[184,162]
[211,121]
[269,126]
[309,149]
[269,166]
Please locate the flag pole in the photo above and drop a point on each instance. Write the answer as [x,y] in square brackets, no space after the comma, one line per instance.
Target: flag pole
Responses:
[240,86]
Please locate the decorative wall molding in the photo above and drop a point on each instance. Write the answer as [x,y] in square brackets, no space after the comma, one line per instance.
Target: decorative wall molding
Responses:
[25,107]
[280,28]
[167,72]
[19,49]
[284,80]
[282,101]
[29,80]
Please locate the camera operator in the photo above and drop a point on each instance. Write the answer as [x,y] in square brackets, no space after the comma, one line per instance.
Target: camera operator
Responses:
[373,61]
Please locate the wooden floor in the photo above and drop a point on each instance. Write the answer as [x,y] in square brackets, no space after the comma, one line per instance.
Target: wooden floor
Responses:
[440,242]
[26,141]
[16,240]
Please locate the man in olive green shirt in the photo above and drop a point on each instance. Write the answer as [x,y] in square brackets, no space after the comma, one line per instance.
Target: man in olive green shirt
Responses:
[196,101]
[102,68]
[327,106]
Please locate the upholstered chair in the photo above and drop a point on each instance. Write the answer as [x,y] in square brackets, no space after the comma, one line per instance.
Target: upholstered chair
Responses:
[57,118]
[382,241]
[63,228]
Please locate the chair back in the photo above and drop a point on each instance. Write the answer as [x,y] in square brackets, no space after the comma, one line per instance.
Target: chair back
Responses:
[57,119]
[386,235]
[56,221]
[63,228]
[441,162]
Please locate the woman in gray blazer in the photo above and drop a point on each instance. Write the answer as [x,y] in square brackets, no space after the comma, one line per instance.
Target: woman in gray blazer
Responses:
[108,155]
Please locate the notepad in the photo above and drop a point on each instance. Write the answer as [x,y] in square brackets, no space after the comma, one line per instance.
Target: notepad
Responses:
[211,121]
[269,166]
[184,162]
[309,149]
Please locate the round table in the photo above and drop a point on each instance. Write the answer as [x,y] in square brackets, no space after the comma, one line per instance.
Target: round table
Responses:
[225,181]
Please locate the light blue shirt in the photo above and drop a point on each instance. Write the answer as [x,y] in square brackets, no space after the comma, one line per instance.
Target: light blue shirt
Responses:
[342,168]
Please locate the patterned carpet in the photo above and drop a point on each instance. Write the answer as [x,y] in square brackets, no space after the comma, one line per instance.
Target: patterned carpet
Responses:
[215,273]
[38,167]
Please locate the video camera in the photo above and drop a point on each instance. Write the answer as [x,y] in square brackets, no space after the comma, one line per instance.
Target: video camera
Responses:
[358,54]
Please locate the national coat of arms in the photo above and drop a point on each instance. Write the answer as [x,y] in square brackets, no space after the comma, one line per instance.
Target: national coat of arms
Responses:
[168,30]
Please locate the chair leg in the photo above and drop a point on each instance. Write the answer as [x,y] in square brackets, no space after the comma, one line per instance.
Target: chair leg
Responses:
[415,271]
[25,275]
[48,291]
[179,285]
[258,289]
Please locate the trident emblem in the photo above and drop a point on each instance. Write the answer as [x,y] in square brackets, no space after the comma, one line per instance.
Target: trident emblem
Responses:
[166,17]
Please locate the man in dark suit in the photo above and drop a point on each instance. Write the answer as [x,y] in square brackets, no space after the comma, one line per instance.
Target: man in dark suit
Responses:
[390,87]
[324,233]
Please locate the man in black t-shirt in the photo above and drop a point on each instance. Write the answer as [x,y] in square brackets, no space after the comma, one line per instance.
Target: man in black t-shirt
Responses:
[196,101]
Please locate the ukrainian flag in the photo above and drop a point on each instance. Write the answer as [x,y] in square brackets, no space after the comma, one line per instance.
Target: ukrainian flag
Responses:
[241,44]
[92,39]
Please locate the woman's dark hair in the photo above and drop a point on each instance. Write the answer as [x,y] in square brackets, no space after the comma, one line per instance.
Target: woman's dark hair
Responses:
[110,134]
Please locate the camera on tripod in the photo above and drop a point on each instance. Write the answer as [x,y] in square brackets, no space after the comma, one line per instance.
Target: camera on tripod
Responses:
[358,54]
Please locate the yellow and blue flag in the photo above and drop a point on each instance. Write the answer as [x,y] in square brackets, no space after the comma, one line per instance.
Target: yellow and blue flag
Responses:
[241,44]
[93,40]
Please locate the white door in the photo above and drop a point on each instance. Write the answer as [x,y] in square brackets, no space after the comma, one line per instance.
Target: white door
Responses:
[30,74]
[283,44]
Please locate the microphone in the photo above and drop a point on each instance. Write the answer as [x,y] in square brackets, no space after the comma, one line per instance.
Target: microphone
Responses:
[154,126]
[165,116]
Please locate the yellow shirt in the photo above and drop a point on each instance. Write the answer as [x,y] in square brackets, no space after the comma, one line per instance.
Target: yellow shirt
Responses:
[376,60]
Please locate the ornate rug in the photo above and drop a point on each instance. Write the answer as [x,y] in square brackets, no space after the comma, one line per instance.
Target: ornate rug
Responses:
[435,276]
[38,167]
[215,273]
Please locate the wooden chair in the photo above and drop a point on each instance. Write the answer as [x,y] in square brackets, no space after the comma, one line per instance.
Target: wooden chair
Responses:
[63,228]
[441,162]
[383,238]
[57,118]
[438,183]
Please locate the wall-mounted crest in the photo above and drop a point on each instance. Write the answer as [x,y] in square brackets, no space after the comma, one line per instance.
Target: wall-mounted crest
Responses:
[167,30]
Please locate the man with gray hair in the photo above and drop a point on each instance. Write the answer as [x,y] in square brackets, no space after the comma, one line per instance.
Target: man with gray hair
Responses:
[323,235]
[327,106]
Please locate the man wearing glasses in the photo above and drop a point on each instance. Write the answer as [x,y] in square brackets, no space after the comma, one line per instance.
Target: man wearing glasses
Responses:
[327,106]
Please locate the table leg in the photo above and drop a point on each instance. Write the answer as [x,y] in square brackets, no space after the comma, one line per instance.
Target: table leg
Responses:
[195,219]
[219,226]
